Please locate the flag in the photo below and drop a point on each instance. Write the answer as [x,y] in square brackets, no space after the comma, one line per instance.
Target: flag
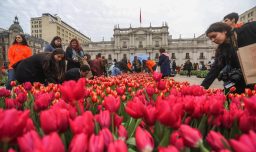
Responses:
[140,16]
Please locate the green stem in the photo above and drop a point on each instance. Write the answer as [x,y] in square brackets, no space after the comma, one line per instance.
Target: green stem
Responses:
[113,122]
[78,109]
[202,148]
[5,146]
[64,139]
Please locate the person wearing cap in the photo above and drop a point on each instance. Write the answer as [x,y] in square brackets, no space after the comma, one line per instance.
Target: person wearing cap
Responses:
[77,73]
[43,67]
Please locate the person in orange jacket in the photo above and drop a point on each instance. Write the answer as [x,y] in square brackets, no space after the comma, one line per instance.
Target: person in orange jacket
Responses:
[18,51]
[129,64]
[151,65]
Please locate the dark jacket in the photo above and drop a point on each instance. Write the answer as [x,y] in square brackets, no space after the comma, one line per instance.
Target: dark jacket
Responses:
[31,70]
[227,55]
[72,74]
[164,63]
[73,60]
[49,48]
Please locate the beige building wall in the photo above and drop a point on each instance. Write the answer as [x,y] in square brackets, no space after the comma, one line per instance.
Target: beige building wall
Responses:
[49,26]
[248,16]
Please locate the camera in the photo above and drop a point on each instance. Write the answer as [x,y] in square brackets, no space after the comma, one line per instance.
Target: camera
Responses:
[230,76]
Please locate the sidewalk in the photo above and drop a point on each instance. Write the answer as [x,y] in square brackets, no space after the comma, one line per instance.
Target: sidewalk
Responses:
[193,80]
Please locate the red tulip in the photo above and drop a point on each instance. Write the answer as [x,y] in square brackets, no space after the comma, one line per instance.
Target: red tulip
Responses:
[216,106]
[157,76]
[250,105]
[12,124]
[216,141]
[30,142]
[135,108]
[29,126]
[27,86]
[117,146]
[103,118]
[107,136]
[96,143]
[21,98]
[120,90]
[12,103]
[79,143]
[112,104]
[144,141]
[42,101]
[117,120]
[191,136]
[53,143]
[245,143]
[4,92]
[232,89]
[83,124]
[168,149]
[150,90]
[54,120]
[122,133]
[150,115]
[161,85]
[72,91]
[176,140]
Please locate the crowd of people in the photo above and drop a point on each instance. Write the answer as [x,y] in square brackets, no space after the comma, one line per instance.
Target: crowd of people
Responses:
[55,65]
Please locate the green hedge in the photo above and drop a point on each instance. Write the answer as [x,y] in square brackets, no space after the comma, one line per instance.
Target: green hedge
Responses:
[199,74]
[3,80]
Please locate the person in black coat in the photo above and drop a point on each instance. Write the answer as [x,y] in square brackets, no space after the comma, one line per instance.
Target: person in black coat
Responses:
[44,68]
[74,54]
[77,73]
[226,59]
[164,63]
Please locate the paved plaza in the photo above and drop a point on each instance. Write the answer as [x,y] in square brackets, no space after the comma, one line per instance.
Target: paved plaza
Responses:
[197,81]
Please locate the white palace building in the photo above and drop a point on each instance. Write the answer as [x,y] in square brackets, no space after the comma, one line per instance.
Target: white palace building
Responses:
[146,42]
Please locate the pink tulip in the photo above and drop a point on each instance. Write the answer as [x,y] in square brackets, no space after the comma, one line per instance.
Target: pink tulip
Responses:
[21,98]
[53,143]
[144,141]
[122,133]
[120,90]
[96,143]
[107,136]
[42,101]
[4,92]
[12,103]
[161,85]
[103,118]
[54,120]
[157,76]
[117,120]
[79,143]
[150,90]
[135,108]
[117,146]
[168,149]
[111,103]
[27,86]
[30,142]
[191,136]
[83,124]
[150,115]
[216,141]
[250,105]
[245,143]
[12,124]
[176,140]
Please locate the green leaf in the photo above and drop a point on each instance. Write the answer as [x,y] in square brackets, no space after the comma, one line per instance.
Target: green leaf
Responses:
[131,141]
[131,150]
[202,125]
[165,139]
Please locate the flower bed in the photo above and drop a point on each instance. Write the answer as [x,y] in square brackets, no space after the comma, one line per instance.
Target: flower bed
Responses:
[136,112]
[199,74]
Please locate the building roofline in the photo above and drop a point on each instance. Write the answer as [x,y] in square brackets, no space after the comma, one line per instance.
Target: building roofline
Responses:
[48,14]
[247,11]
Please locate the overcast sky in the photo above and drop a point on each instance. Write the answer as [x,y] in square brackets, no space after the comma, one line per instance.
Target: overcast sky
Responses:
[96,18]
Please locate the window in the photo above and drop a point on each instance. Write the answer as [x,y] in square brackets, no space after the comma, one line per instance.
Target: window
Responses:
[187,56]
[201,55]
[173,56]
[109,57]
[157,44]
[140,44]
[157,56]
[124,44]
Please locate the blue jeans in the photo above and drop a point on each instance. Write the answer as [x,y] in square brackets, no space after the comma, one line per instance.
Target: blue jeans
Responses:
[11,77]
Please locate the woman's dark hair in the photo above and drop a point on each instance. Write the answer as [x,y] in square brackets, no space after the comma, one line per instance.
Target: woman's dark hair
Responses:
[78,47]
[161,50]
[53,44]
[219,27]
[53,68]
[24,41]
[222,48]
